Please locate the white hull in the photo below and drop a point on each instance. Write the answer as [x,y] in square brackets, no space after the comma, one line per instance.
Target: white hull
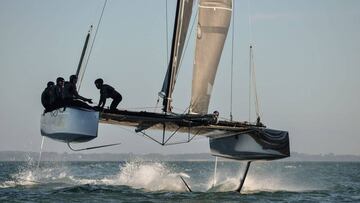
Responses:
[70,125]
[260,144]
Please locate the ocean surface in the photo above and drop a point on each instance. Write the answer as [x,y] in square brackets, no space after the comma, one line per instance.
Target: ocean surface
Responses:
[144,181]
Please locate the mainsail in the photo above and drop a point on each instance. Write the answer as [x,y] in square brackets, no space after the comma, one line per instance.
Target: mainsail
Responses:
[182,20]
[213,24]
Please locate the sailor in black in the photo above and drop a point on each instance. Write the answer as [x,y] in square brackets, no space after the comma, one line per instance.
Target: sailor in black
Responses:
[58,93]
[71,95]
[48,96]
[106,91]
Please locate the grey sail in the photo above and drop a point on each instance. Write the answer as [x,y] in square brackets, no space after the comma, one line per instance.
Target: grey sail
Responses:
[182,20]
[213,24]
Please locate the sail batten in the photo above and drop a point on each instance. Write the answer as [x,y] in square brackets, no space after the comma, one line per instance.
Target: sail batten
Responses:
[213,25]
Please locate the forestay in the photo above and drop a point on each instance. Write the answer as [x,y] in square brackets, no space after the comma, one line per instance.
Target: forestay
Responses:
[213,24]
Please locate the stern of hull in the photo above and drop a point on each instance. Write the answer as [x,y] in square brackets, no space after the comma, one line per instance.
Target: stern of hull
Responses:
[255,144]
[70,124]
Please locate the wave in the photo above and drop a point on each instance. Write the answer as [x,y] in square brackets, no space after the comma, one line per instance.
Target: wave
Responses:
[148,176]
[155,176]
[138,175]
[272,181]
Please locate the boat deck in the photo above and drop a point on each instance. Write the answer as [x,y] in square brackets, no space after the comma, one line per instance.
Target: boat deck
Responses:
[193,123]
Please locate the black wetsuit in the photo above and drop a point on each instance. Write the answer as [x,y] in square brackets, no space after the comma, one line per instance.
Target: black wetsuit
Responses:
[72,97]
[69,90]
[106,91]
[58,97]
[48,98]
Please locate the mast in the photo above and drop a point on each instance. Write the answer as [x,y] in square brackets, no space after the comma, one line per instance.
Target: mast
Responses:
[83,52]
[86,53]
[169,73]
[181,25]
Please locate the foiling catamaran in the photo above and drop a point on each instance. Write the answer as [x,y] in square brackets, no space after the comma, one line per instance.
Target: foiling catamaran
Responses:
[235,140]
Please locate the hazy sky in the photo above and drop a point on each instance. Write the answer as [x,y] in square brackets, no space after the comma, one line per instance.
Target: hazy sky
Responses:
[307,57]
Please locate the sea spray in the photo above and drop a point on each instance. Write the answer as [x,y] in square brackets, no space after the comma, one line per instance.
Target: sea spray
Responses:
[28,174]
[148,176]
[155,176]
[229,174]
[41,148]
[215,167]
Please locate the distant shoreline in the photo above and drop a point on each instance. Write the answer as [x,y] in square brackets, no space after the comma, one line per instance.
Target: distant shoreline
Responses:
[54,156]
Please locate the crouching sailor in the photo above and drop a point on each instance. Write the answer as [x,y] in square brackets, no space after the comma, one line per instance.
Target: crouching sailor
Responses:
[52,97]
[71,95]
[106,91]
[48,96]
[58,94]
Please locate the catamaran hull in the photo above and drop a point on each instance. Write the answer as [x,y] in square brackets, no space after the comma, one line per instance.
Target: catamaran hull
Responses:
[70,124]
[254,144]
[233,140]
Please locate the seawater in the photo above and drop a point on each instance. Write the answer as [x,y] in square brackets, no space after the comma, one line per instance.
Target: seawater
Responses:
[144,181]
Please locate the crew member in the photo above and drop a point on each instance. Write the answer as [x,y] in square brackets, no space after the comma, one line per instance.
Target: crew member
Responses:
[47,96]
[106,91]
[216,116]
[58,93]
[71,95]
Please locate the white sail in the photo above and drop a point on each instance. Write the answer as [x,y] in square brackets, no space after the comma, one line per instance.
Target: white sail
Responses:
[213,24]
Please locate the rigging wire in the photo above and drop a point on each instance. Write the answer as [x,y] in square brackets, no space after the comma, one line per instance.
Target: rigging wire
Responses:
[257,106]
[250,45]
[252,76]
[188,38]
[250,88]
[93,42]
[166,48]
[187,42]
[232,61]
[141,134]
[250,22]
[190,31]
[166,33]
